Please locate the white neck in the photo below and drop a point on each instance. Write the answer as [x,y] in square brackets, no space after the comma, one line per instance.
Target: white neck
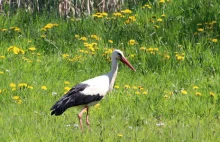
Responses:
[113,73]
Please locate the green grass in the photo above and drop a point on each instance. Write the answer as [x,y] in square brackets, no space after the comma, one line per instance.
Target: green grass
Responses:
[170,56]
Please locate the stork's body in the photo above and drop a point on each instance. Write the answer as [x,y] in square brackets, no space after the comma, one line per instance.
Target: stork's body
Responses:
[90,92]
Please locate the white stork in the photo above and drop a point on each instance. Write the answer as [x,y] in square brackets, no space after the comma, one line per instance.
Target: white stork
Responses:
[90,92]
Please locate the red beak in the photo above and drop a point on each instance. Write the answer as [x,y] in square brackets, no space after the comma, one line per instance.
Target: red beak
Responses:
[124,60]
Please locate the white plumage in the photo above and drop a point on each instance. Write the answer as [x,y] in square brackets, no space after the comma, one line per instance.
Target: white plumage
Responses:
[90,92]
[98,85]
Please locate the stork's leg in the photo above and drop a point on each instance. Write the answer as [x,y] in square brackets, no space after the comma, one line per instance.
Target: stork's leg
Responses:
[80,117]
[87,117]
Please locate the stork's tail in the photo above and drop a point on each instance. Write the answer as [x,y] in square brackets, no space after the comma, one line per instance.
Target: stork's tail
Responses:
[59,107]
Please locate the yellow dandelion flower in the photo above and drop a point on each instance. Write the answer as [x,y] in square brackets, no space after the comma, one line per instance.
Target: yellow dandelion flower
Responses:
[43,36]
[120,135]
[1,72]
[104,14]
[91,48]
[2,57]
[13,89]
[15,97]
[77,36]
[3,30]
[117,14]
[94,44]
[149,49]
[86,44]
[155,49]
[140,88]
[16,29]
[214,22]
[212,94]
[21,85]
[0,91]
[15,50]
[95,37]
[180,57]
[67,88]
[11,28]
[166,96]
[43,29]
[137,93]
[134,87]
[108,51]
[132,42]
[44,87]
[184,92]
[98,15]
[132,18]
[48,26]
[83,38]
[116,86]
[32,48]
[147,6]
[143,48]
[65,55]
[163,15]
[152,50]
[214,40]
[145,92]
[81,51]
[198,94]
[166,56]
[55,25]
[126,11]
[97,106]
[156,27]
[162,1]
[170,93]
[30,87]
[66,82]
[195,87]
[110,41]
[12,85]
[159,20]
[127,86]
[200,29]
[132,55]
[127,21]
[19,101]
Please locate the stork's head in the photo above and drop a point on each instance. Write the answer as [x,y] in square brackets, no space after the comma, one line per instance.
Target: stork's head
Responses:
[118,54]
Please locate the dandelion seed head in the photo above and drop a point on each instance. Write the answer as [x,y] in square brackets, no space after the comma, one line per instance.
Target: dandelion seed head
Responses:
[54,93]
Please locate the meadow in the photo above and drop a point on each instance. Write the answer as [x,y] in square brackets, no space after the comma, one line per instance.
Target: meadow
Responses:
[173,96]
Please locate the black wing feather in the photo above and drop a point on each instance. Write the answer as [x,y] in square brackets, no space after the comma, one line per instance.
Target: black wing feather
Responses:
[74,98]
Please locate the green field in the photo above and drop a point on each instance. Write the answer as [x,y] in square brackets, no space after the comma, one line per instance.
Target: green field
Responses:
[173,96]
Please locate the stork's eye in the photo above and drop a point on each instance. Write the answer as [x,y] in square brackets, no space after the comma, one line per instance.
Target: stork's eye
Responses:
[119,54]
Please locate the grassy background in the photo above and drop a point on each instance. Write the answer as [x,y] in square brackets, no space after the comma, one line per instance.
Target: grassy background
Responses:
[173,96]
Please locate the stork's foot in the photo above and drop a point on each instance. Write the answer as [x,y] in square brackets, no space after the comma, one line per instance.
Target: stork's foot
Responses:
[87,122]
[80,121]
[86,108]
[87,118]
[80,117]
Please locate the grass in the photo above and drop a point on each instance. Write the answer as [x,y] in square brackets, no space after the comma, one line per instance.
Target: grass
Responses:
[173,96]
